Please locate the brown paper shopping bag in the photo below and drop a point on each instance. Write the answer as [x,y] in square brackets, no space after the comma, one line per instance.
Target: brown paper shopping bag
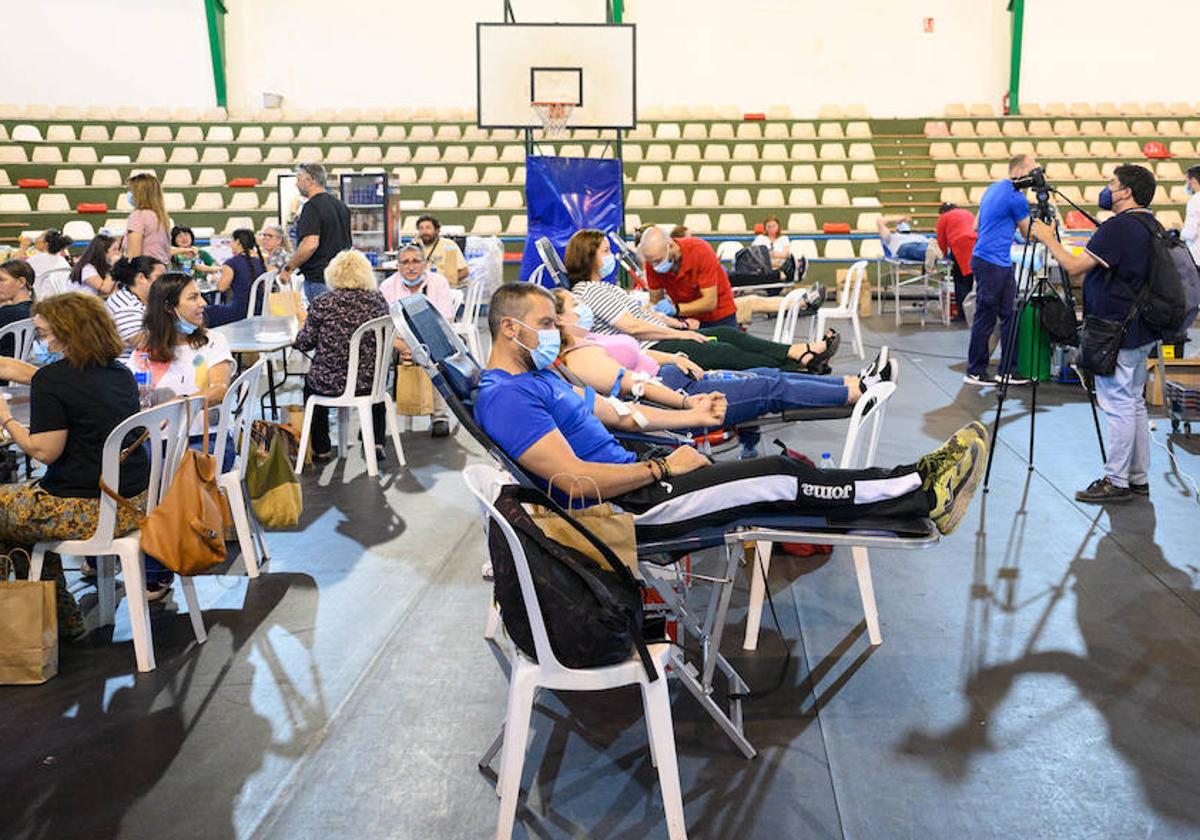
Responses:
[414,391]
[286,304]
[612,527]
[28,629]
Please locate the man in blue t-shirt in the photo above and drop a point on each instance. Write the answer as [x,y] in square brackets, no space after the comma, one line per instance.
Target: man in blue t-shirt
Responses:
[558,432]
[1002,211]
[1117,261]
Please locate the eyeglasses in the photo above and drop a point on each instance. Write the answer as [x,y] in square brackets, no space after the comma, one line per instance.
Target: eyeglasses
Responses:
[411,262]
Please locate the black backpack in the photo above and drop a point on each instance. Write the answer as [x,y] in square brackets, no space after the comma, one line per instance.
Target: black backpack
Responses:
[753,259]
[1172,295]
[593,615]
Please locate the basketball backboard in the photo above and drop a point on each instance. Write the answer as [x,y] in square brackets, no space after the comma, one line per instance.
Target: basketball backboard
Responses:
[590,66]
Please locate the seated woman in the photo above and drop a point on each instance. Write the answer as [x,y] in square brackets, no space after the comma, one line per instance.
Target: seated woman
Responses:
[236,278]
[127,305]
[49,262]
[16,296]
[75,402]
[588,259]
[92,272]
[275,245]
[613,364]
[333,317]
[186,257]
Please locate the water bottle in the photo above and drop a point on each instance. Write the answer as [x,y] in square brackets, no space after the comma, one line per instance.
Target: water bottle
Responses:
[141,375]
[826,461]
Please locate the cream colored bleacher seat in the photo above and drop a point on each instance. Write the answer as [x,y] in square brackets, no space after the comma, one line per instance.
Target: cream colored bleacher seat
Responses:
[737,197]
[128,113]
[1058,171]
[1183,149]
[709,174]
[645,174]
[499,175]
[982,109]
[1102,148]
[776,131]
[443,200]
[1015,128]
[802,197]
[220,134]
[368,156]
[1141,128]
[657,153]
[116,159]
[93,134]
[968,149]
[1091,128]
[309,134]
[803,131]
[698,223]
[998,170]
[433,175]
[69,178]
[448,133]
[25,133]
[631,153]
[1075,149]
[801,223]
[954,109]
[81,154]
[861,151]
[243,200]
[695,131]
[1191,128]
[1182,109]
[954,195]
[512,154]
[175,202]
[393,133]
[836,197]
[745,151]
[238,223]
[803,151]
[14,203]
[463,175]
[93,112]
[1129,149]
[1054,109]
[946,172]
[408,174]
[1048,149]
[1166,128]
[995,149]
[936,128]
[987,128]
[864,173]
[769,197]
[176,178]
[672,198]
[427,154]
[1091,194]
[1072,192]
[774,151]
[721,131]
[975,172]
[1170,219]
[251,134]
[866,222]
[644,131]
[742,173]
[961,128]
[830,131]
[46,154]
[858,130]
[1153,109]
[730,223]
[152,154]
[503,135]
[53,203]
[480,154]
[801,173]
[1087,170]
[830,112]
[1040,128]
[309,154]
[804,249]
[278,155]
[1178,194]
[60,134]
[1168,170]
[632,221]
[205,201]
[107,178]
[281,134]
[839,249]
[749,131]
[397,154]
[975,195]
[1065,128]
[638,198]
[518,225]
[461,154]
[162,134]
[513,200]
[365,134]
[214,154]
[667,131]
[941,150]
[683,174]
[834,173]
[1116,128]
[832,151]
[1079,109]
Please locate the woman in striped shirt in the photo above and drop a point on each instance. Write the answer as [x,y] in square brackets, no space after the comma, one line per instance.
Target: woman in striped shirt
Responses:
[127,305]
[588,258]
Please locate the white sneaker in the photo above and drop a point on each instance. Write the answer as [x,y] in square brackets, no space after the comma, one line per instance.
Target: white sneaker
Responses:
[487,570]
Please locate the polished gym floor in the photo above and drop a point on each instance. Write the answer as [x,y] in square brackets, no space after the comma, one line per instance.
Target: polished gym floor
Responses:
[1039,674]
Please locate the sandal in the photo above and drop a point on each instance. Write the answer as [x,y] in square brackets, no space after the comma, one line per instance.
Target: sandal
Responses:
[818,363]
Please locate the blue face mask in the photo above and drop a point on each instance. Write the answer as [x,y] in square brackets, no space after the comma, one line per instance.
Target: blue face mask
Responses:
[607,264]
[1105,200]
[587,318]
[1190,189]
[549,342]
[41,355]
[129,198]
[412,284]
[664,265]
[184,327]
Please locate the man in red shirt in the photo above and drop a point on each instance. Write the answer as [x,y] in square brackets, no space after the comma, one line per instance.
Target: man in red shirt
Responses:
[956,236]
[692,276]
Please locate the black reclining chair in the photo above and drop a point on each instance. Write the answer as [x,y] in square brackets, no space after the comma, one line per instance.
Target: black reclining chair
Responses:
[456,375]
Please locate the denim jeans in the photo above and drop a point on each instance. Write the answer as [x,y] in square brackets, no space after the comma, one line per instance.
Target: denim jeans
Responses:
[312,289]
[995,293]
[758,391]
[1121,398]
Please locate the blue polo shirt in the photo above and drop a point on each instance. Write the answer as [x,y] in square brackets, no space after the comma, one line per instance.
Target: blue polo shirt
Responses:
[1000,210]
[1122,245]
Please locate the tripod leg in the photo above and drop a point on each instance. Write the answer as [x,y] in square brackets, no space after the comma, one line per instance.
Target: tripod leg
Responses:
[1096,419]
[1032,413]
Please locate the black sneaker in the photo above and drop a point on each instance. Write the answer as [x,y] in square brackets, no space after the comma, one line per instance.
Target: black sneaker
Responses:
[1102,491]
[1139,489]
[440,427]
[979,380]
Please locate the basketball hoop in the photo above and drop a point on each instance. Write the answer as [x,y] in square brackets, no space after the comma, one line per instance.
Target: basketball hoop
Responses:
[554,116]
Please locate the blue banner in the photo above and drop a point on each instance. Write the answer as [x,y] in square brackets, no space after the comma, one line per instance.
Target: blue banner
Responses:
[563,195]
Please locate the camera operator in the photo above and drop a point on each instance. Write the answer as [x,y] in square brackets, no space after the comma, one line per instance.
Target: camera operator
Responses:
[1116,261]
[1002,211]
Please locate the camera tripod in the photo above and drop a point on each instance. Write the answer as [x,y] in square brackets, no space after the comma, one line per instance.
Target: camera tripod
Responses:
[1038,285]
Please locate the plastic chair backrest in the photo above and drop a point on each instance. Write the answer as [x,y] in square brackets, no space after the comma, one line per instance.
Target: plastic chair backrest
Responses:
[167,429]
[474,300]
[866,424]
[383,329]
[788,315]
[236,416]
[480,478]
[852,286]
[552,261]
[23,335]
[258,297]
[456,299]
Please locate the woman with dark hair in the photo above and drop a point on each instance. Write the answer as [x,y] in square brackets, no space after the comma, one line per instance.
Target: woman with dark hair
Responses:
[186,257]
[50,264]
[588,259]
[75,402]
[127,305]
[93,270]
[237,276]
[16,296]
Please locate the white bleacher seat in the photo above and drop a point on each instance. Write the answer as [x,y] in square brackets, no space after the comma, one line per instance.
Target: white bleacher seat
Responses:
[834,173]
[694,131]
[704,198]
[14,203]
[427,154]
[433,175]
[236,223]
[279,155]
[995,149]
[802,197]
[749,131]
[1102,149]
[1168,170]
[93,134]
[421,132]
[476,200]
[962,128]
[116,159]
[969,149]
[479,155]
[1015,128]
[220,134]
[698,223]
[858,130]
[975,172]
[513,199]
[518,175]
[443,200]
[832,151]
[803,151]
[682,174]
[1075,148]
[309,154]
[243,200]
[987,128]
[801,173]
[309,134]
[632,153]
[866,222]
[743,173]
[487,224]
[976,194]
[804,248]
[839,249]
[1048,149]
[53,203]
[954,109]
[770,197]
[865,201]
[1183,149]
[774,151]
[1178,194]
[393,132]
[667,131]
[518,225]
[864,173]
[368,156]
[25,133]
[128,113]
[861,151]
[499,175]
[512,154]
[180,156]
[776,131]
[337,134]
[69,178]
[1065,128]
[46,154]
[737,197]
[205,201]
[1130,149]
[251,134]
[99,112]
[1141,128]
[829,112]
[60,134]
[1086,170]
[672,198]
[107,178]
[214,154]
[1116,128]
[4,182]
[81,154]
[836,197]
[801,223]
[686,152]
[1170,219]
[248,156]
[281,134]
[1165,128]
[397,154]
[731,223]
[474,134]
[211,178]
[830,131]
[644,131]
[657,153]
[941,150]
[946,172]
[177,178]
[721,131]
[1057,170]
[184,134]
[337,155]
[745,151]
[714,151]
[870,249]
[1072,192]
[464,175]
[803,131]
[457,154]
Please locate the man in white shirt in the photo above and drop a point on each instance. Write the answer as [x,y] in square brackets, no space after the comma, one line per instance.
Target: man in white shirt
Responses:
[441,253]
[1191,223]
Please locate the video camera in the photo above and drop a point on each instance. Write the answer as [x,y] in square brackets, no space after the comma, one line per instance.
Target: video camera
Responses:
[1036,181]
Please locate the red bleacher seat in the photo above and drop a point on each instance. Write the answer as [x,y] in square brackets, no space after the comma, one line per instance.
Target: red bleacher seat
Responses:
[33,183]
[1155,150]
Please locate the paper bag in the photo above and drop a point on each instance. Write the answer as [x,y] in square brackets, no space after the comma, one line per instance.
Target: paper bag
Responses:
[610,527]
[28,629]
[414,391]
[286,304]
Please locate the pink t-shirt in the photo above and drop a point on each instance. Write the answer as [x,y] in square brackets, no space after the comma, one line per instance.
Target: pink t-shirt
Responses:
[625,351]
[436,288]
[155,241]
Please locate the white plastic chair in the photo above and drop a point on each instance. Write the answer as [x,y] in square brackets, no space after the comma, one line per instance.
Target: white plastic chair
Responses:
[485,486]
[862,439]
[23,336]
[167,427]
[787,316]
[528,676]
[846,309]
[384,331]
[234,423]
[467,325]
[260,292]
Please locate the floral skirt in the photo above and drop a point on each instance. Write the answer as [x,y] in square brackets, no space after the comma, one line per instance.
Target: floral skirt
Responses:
[28,515]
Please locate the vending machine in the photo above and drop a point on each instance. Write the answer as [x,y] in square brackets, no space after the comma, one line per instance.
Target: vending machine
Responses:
[374,220]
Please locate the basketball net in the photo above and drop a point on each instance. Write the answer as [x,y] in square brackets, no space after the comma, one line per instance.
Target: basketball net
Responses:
[554,116]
